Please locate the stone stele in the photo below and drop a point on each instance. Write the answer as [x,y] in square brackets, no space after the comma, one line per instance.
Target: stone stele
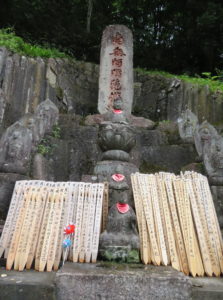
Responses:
[116,68]
[187,123]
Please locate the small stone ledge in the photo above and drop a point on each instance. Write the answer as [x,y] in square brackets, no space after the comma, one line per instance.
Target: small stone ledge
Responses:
[27,285]
[110,281]
[114,281]
[207,288]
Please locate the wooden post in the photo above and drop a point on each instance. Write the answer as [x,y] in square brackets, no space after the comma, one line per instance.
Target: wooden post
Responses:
[97,222]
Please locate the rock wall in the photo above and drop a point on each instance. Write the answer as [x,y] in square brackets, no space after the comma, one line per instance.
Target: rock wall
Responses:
[73,87]
[25,82]
[162,98]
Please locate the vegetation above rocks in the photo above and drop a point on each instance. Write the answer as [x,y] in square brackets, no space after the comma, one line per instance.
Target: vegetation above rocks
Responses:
[212,82]
[16,44]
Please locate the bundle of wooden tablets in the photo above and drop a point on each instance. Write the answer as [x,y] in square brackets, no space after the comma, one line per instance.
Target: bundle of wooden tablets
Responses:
[177,222]
[34,229]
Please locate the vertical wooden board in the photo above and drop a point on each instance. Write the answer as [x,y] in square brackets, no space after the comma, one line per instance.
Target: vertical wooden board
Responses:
[157,219]
[75,189]
[11,216]
[138,207]
[69,202]
[193,252]
[199,263]
[204,217]
[55,230]
[160,200]
[77,236]
[146,252]
[84,227]
[214,212]
[61,232]
[67,211]
[20,200]
[145,243]
[22,240]
[186,221]
[207,212]
[105,206]
[28,236]
[199,229]
[89,236]
[50,190]
[49,228]
[40,197]
[215,238]
[179,238]
[148,210]
[67,215]
[187,176]
[15,237]
[97,222]
[169,226]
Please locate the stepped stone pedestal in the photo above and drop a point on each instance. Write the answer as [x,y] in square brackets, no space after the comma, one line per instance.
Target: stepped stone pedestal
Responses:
[114,281]
[107,281]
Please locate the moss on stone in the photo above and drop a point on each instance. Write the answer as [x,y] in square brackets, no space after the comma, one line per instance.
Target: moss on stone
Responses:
[133,256]
[146,167]
[196,167]
[120,254]
[59,92]
[120,266]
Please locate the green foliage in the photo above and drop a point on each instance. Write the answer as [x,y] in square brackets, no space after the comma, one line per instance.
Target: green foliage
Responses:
[44,147]
[148,168]
[56,132]
[177,36]
[211,81]
[16,44]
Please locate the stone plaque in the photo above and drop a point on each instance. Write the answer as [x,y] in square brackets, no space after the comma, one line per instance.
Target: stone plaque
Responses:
[116,68]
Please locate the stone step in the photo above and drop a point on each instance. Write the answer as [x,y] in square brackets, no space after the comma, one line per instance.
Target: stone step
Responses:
[107,281]
[27,285]
[207,288]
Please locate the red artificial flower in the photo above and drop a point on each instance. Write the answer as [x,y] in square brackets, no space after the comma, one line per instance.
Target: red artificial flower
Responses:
[69,229]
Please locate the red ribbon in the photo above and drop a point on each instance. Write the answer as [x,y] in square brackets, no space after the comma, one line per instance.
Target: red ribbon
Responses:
[118,177]
[122,207]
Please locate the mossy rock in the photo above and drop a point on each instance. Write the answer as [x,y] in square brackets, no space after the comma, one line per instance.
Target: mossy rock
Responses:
[148,168]
[196,167]
[171,130]
[121,254]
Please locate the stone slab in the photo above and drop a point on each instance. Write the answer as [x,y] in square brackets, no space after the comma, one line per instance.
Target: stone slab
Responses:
[169,158]
[107,281]
[103,281]
[217,194]
[207,288]
[27,285]
[116,68]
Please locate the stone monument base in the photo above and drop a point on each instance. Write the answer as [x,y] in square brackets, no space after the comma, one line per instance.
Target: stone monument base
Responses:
[121,281]
[107,281]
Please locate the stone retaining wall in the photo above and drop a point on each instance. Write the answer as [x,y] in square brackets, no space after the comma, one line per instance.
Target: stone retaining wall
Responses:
[73,87]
